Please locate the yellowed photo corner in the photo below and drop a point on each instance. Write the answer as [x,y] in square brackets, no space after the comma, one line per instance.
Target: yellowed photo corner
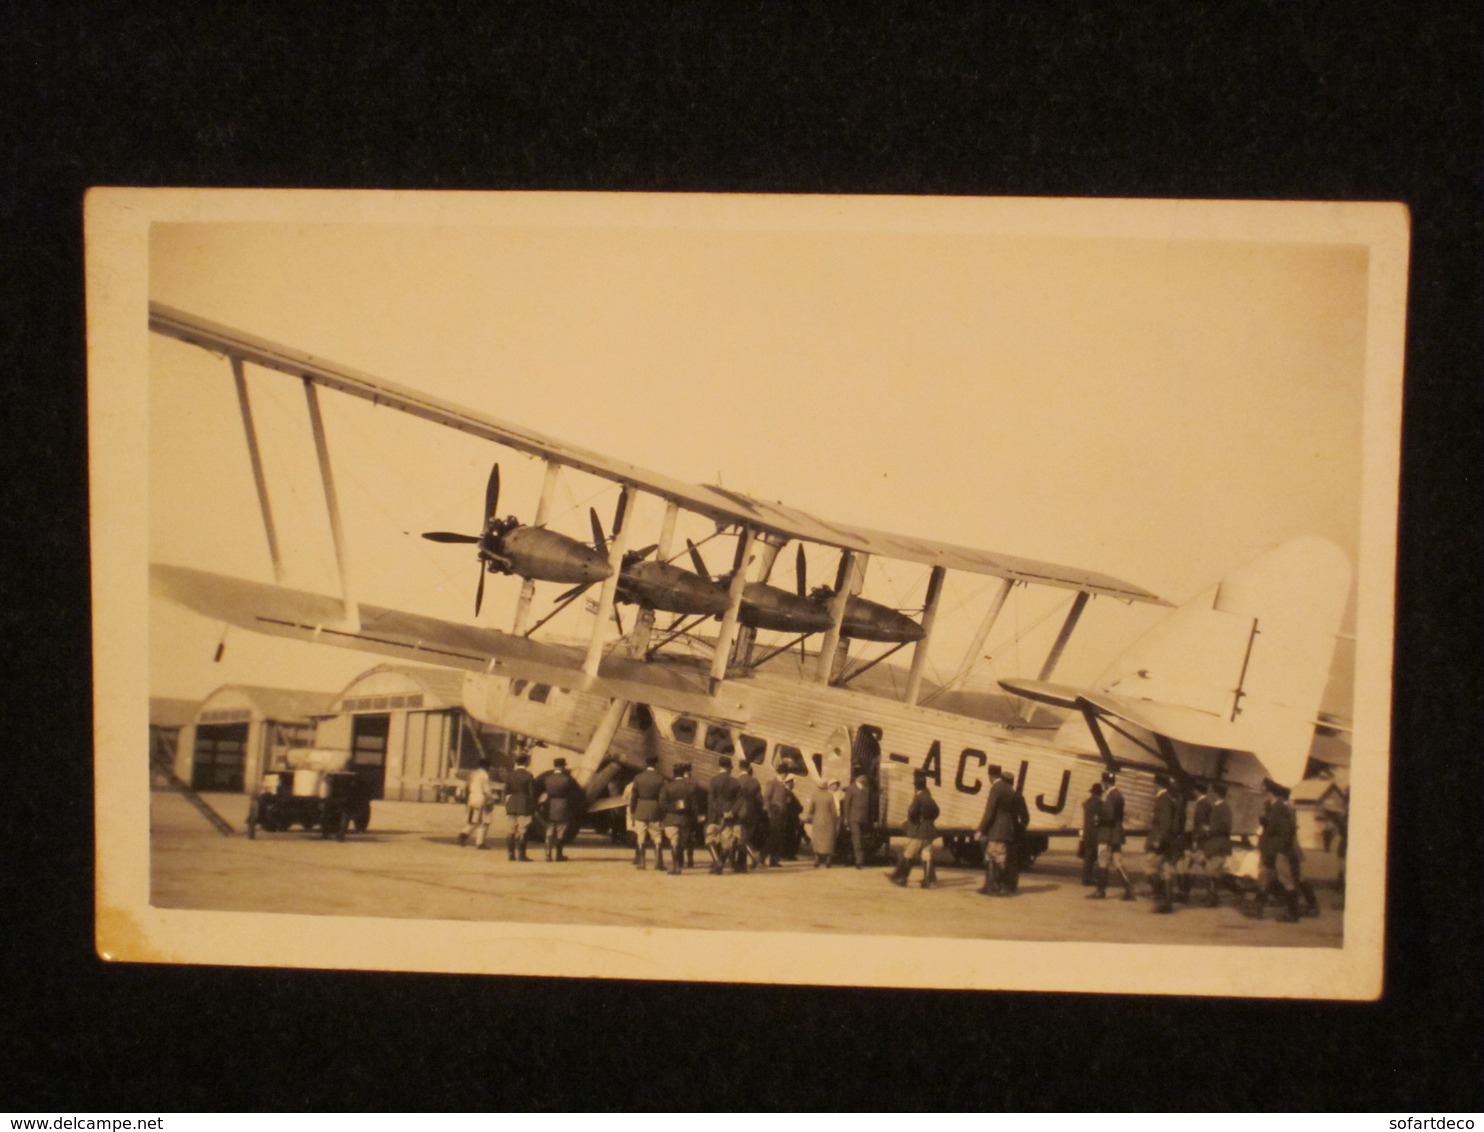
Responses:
[1156,391]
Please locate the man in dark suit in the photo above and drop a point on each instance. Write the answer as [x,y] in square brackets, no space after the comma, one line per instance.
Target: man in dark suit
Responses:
[645,812]
[856,813]
[1016,849]
[520,804]
[562,799]
[750,817]
[997,831]
[722,800]
[680,799]
[1110,839]
[778,798]
[1087,847]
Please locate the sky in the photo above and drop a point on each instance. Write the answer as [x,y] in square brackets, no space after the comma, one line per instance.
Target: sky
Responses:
[1155,400]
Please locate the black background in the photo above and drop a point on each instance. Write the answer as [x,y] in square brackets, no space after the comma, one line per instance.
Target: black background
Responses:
[1215,100]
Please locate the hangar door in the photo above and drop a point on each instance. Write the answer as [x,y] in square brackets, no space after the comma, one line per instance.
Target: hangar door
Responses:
[218,758]
[368,735]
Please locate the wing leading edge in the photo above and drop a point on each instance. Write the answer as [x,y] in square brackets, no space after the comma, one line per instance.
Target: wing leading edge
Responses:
[717,504]
[299,615]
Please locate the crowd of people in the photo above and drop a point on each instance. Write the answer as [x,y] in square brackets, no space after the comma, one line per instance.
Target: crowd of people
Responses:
[742,825]
[1188,847]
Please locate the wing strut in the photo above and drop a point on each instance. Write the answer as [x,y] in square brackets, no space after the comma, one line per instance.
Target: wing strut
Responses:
[1079,603]
[929,618]
[337,531]
[976,646]
[528,587]
[255,454]
[616,550]
[734,605]
[847,582]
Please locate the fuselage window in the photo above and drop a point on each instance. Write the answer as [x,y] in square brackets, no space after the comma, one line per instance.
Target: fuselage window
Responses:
[753,748]
[540,693]
[788,758]
[518,686]
[640,718]
[718,739]
[684,729]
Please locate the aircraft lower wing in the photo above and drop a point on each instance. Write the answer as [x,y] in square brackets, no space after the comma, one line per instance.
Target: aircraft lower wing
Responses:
[299,615]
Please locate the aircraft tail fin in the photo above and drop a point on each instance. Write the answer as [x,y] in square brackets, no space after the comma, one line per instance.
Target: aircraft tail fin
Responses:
[1242,667]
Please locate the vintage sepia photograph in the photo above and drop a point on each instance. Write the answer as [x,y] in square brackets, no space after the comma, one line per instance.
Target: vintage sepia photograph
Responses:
[876,591]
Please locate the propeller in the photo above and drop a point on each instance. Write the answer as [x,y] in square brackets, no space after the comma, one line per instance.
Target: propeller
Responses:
[489,524]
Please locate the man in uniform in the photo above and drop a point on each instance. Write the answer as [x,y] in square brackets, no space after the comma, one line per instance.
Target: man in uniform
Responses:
[722,798]
[477,801]
[520,804]
[922,813]
[1277,845]
[1196,831]
[997,831]
[1215,840]
[562,794]
[1110,839]
[1087,847]
[1014,852]
[778,797]
[679,800]
[856,813]
[645,812]
[1161,847]
[750,816]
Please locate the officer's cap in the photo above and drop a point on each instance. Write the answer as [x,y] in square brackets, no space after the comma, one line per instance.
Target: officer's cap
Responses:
[1161,779]
[725,762]
[1097,788]
[651,759]
[1006,776]
[994,771]
[919,778]
[1109,777]
[559,763]
[522,758]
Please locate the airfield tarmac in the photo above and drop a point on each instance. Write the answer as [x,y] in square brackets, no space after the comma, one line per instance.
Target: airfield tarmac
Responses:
[409,865]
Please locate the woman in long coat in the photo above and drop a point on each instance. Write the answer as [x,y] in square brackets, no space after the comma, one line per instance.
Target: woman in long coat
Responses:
[821,818]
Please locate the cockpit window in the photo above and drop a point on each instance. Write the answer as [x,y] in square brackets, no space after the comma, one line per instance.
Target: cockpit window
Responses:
[753,748]
[540,693]
[719,739]
[641,718]
[683,729]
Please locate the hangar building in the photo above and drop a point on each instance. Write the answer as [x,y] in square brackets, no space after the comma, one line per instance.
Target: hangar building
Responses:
[242,730]
[410,731]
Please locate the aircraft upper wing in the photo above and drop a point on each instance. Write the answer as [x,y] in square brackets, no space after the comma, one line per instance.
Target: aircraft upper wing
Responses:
[299,615]
[715,503]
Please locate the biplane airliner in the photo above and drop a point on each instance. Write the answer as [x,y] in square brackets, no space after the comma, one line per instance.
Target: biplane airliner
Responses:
[1227,686]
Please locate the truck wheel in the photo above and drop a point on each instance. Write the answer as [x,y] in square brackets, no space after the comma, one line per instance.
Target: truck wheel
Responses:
[340,825]
[362,818]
